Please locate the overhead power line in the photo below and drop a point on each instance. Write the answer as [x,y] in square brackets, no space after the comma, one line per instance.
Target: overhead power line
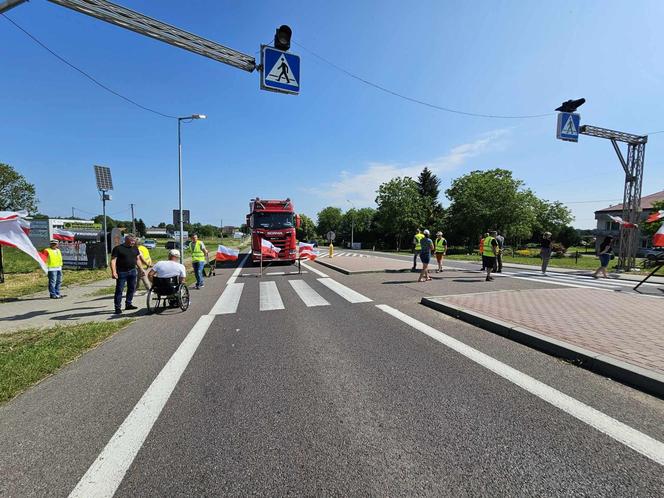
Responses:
[418,101]
[87,75]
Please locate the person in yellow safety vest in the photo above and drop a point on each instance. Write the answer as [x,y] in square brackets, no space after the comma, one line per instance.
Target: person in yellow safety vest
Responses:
[54,264]
[482,249]
[145,254]
[417,243]
[440,250]
[199,254]
[490,253]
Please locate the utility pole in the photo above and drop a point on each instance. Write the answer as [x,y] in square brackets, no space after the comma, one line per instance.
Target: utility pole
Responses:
[72,212]
[133,220]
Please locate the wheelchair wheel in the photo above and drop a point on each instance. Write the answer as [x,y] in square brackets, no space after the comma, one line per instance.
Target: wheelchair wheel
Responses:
[183,297]
[153,301]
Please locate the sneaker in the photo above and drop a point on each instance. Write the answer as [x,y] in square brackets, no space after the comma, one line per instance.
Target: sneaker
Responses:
[131,307]
[201,286]
[489,279]
[54,297]
[117,311]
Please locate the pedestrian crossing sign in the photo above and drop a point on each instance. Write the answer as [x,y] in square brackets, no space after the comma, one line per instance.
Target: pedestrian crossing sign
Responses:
[568,126]
[280,71]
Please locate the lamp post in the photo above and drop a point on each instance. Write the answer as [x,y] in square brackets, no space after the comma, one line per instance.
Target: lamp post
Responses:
[186,119]
[352,225]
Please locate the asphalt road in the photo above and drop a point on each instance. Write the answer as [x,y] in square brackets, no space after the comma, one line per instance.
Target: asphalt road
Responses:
[342,397]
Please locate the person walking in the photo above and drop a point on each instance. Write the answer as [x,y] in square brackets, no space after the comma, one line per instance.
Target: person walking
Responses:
[604,254]
[490,252]
[125,264]
[441,249]
[417,247]
[426,247]
[199,254]
[499,257]
[145,254]
[53,258]
[545,250]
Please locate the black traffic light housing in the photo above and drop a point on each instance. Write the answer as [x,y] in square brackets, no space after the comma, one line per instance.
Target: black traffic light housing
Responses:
[282,38]
[571,105]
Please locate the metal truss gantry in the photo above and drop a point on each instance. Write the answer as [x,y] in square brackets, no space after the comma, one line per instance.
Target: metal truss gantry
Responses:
[633,167]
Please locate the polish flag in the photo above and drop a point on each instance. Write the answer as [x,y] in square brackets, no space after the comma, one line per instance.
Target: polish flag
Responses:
[12,234]
[269,249]
[658,238]
[226,254]
[656,216]
[64,235]
[622,222]
[306,251]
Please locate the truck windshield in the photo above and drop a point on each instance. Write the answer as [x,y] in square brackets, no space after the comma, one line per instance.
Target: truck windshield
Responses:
[273,220]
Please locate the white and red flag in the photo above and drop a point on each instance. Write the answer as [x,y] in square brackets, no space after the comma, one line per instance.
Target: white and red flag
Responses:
[625,224]
[12,233]
[658,238]
[656,216]
[226,254]
[269,249]
[63,235]
[306,251]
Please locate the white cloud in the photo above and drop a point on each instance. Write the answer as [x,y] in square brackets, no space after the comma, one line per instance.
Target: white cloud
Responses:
[360,188]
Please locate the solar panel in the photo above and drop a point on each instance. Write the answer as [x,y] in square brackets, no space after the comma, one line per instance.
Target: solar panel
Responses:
[104,180]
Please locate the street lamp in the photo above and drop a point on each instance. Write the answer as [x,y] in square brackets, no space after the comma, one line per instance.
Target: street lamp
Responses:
[186,119]
[352,225]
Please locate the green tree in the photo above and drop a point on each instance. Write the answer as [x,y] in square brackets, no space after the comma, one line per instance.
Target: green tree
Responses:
[307,230]
[140,227]
[361,222]
[428,186]
[399,211]
[16,193]
[550,217]
[161,225]
[329,219]
[568,236]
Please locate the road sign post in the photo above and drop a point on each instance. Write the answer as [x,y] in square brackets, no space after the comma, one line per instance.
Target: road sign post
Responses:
[280,71]
[568,126]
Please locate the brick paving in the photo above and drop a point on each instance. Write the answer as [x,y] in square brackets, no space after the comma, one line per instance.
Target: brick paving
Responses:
[626,327]
[365,263]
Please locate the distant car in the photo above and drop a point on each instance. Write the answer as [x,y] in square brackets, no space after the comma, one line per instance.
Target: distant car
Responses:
[150,244]
[172,244]
[655,253]
[314,243]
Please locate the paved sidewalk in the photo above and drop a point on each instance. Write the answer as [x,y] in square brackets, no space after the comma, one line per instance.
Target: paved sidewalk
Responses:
[619,335]
[79,305]
[365,263]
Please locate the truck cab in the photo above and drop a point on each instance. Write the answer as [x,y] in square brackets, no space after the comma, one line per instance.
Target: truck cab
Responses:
[274,221]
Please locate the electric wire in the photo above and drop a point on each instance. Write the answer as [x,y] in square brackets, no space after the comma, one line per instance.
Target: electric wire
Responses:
[87,75]
[414,100]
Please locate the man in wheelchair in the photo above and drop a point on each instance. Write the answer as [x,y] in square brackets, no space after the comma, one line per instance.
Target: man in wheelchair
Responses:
[166,278]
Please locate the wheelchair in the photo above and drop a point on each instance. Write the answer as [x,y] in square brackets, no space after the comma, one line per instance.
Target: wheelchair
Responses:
[167,292]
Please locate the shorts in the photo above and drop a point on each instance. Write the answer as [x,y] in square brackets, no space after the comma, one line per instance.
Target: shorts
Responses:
[489,261]
[425,258]
[604,259]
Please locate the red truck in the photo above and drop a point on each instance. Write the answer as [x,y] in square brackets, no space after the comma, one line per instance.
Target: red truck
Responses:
[274,221]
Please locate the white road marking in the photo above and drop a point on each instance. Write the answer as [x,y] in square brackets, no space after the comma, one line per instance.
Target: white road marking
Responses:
[638,441]
[238,270]
[348,294]
[269,297]
[309,296]
[228,301]
[285,273]
[107,471]
[316,271]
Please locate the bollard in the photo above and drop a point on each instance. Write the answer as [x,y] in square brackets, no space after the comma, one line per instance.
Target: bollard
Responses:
[331,253]
[576,258]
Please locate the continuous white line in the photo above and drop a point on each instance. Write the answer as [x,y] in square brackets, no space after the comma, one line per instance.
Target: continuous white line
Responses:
[348,294]
[638,441]
[311,268]
[269,297]
[106,473]
[238,270]
[309,296]
[228,301]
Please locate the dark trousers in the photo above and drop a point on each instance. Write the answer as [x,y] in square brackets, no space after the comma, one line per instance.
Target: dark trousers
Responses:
[415,259]
[499,261]
[129,278]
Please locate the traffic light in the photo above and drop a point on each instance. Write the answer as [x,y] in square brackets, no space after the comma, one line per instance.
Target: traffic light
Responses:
[571,105]
[282,38]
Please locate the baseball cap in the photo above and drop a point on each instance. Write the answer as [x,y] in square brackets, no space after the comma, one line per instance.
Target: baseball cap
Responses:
[54,241]
[174,252]
[439,233]
[426,232]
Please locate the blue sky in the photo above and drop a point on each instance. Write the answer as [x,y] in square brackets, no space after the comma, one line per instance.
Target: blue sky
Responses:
[339,138]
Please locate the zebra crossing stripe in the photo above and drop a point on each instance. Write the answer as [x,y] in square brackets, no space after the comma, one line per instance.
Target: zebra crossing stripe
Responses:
[269,297]
[228,301]
[309,296]
[348,294]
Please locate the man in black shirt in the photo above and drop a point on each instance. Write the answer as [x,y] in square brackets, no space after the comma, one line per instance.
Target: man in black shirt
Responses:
[125,259]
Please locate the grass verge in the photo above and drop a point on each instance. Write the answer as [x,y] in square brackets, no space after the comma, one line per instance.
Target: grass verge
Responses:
[28,356]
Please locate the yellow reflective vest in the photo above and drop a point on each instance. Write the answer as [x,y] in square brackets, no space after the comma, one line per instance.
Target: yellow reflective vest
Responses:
[53,258]
[488,249]
[145,254]
[418,241]
[441,244]
[197,253]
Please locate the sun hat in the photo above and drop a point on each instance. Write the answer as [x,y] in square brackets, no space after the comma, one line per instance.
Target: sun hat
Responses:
[174,252]
[54,241]
[439,233]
